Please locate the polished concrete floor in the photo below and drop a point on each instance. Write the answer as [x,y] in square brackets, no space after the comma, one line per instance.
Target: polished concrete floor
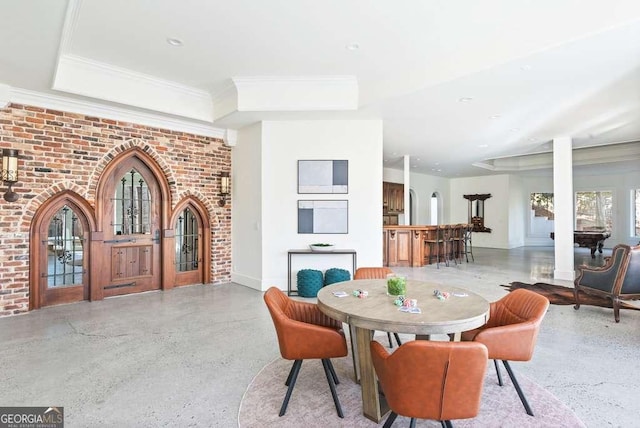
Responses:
[185,357]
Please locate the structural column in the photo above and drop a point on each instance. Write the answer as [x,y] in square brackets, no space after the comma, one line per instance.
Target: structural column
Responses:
[407,183]
[563,208]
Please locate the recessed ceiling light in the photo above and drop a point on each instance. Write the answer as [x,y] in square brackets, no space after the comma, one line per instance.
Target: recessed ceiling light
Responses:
[495,116]
[465,99]
[525,67]
[352,47]
[174,42]
[483,146]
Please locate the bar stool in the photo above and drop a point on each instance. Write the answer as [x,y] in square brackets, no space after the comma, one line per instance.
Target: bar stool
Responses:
[447,244]
[458,241]
[432,243]
[468,247]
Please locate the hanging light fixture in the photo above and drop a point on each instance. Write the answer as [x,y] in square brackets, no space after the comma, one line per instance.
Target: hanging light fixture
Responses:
[225,188]
[10,173]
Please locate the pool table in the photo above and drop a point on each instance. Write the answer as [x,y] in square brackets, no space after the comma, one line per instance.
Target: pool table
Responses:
[588,239]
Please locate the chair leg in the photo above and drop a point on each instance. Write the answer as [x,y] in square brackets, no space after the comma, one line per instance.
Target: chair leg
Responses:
[397,339]
[333,372]
[448,424]
[518,389]
[293,375]
[390,342]
[390,419]
[437,255]
[576,298]
[616,309]
[495,363]
[288,381]
[412,423]
[332,387]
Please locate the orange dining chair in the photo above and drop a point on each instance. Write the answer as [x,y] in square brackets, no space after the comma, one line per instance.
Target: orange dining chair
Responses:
[512,331]
[431,380]
[304,332]
[377,273]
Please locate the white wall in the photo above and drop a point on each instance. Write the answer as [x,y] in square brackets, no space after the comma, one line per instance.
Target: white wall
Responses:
[517,212]
[496,208]
[246,209]
[424,185]
[283,143]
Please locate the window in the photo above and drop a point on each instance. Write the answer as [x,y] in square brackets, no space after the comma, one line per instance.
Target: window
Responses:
[186,228]
[542,205]
[65,249]
[635,197]
[542,214]
[594,210]
[132,207]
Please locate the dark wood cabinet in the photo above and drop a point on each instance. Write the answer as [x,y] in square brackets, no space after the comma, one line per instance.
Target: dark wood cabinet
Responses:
[389,219]
[392,198]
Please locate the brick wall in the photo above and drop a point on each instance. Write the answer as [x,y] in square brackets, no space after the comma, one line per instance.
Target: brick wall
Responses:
[61,150]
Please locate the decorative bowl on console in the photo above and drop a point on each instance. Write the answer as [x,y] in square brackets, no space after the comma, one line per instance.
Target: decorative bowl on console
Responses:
[321,248]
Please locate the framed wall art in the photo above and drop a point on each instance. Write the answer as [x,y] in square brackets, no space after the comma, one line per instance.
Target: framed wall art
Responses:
[321,216]
[323,176]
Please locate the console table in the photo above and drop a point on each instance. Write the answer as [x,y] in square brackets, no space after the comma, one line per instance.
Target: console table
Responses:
[291,253]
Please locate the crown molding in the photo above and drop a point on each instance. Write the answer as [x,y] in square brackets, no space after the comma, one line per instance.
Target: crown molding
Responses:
[296,93]
[83,76]
[225,101]
[55,102]
[594,155]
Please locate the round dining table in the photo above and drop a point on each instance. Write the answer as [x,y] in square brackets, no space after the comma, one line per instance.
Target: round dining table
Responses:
[459,311]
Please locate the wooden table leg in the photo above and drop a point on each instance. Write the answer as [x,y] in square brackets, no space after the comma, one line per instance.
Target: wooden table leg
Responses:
[373,406]
[354,353]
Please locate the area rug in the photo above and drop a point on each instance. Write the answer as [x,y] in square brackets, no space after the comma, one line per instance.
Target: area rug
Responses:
[311,404]
[559,295]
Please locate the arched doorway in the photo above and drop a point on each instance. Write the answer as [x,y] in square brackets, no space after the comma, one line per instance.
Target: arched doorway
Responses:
[60,251]
[191,247]
[131,207]
[435,208]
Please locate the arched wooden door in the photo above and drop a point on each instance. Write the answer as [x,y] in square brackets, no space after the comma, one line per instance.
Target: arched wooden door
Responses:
[188,253]
[191,232]
[60,251]
[130,213]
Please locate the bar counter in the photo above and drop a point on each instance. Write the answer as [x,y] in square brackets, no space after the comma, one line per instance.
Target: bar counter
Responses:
[408,245]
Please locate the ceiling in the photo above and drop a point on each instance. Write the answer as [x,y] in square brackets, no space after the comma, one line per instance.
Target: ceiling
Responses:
[460,85]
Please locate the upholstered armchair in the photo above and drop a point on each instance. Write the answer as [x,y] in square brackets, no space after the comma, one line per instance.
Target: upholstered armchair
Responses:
[304,332]
[511,332]
[618,279]
[431,380]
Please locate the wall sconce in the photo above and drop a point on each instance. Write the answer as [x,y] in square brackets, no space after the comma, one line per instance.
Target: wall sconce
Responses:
[225,188]
[10,173]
